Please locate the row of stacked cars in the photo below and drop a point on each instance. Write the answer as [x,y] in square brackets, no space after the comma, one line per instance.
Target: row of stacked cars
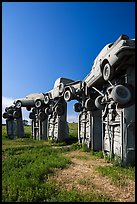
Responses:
[105,98]
[93,89]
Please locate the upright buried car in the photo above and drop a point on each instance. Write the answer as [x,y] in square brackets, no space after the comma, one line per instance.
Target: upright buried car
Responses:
[110,60]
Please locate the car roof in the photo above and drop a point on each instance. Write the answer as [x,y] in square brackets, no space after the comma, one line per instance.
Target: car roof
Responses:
[62,80]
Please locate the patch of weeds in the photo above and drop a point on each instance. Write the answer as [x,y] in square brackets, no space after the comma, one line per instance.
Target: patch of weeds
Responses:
[4,132]
[56,143]
[10,151]
[114,159]
[28,135]
[86,157]
[86,182]
[76,146]
[97,154]
[76,196]
[23,175]
[84,148]
[117,161]
[117,174]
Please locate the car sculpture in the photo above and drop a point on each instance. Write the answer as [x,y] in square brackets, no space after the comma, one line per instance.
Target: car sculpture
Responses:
[73,91]
[56,104]
[118,94]
[31,100]
[54,98]
[11,112]
[110,60]
[58,89]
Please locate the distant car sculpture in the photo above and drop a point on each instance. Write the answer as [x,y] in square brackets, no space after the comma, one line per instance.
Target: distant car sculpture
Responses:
[11,112]
[31,100]
[54,98]
[14,123]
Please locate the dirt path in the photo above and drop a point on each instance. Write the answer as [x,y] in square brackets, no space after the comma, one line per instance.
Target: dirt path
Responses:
[81,175]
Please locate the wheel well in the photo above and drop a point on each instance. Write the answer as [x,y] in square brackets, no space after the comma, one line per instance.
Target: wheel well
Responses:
[18,101]
[105,61]
[66,89]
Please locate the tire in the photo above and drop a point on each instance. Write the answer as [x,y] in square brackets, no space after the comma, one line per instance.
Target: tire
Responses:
[42,116]
[34,110]
[59,109]
[77,107]
[32,115]
[48,111]
[61,88]
[121,94]
[16,114]
[38,103]
[18,104]
[67,95]
[98,103]
[108,72]
[6,109]
[5,115]
[10,111]
[89,104]
[28,108]
[46,100]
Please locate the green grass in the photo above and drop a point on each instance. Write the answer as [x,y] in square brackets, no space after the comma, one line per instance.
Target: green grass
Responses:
[25,171]
[26,168]
[73,133]
[27,131]
[117,174]
[27,165]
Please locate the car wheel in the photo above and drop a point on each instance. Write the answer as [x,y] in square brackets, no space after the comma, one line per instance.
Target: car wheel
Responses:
[42,116]
[98,104]
[16,114]
[38,103]
[28,108]
[48,111]
[61,88]
[18,104]
[46,100]
[67,95]
[59,109]
[5,115]
[10,111]
[108,72]
[32,116]
[6,109]
[121,94]
[34,110]
[89,104]
[77,107]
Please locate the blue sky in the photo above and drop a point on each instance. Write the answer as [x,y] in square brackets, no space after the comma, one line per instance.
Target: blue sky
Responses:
[42,41]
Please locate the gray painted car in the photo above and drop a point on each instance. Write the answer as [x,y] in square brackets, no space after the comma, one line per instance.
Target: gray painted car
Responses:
[58,89]
[59,86]
[111,58]
[31,100]
[73,91]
